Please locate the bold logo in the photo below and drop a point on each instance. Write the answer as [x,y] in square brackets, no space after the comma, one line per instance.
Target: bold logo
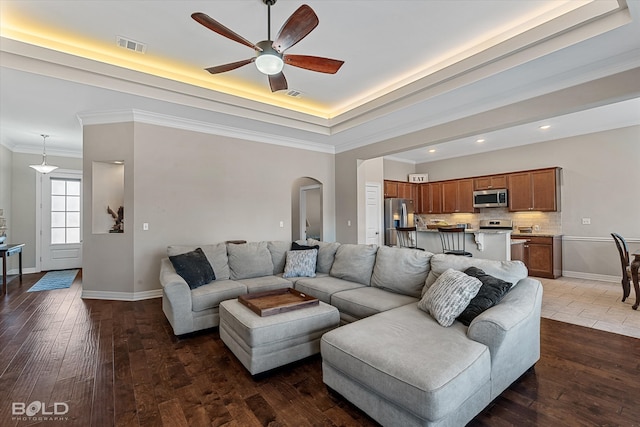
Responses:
[37,407]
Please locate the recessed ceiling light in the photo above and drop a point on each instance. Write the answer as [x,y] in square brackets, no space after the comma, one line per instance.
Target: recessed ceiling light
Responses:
[480,140]
[433,150]
[545,127]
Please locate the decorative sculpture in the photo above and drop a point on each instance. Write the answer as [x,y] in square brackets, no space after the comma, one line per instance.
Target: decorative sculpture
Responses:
[118,227]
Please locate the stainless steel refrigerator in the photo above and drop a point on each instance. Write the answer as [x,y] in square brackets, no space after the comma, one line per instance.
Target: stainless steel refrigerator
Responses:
[397,213]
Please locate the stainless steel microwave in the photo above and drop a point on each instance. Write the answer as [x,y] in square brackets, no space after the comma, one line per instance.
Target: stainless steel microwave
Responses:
[490,198]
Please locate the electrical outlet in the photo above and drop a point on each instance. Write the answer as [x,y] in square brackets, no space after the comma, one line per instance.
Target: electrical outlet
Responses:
[145,226]
[349,223]
[281,224]
[586,221]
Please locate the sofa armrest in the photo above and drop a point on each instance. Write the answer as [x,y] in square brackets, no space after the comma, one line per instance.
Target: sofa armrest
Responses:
[174,287]
[511,330]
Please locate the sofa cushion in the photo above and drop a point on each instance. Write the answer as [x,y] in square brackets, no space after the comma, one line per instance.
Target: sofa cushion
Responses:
[490,293]
[408,359]
[354,263]
[249,260]
[401,270]
[216,254]
[211,295]
[278,250]
[323,287]
[509,271]
[449,296]
[301,263]
[326,254]
[194,268]
[264,283]
[366,301]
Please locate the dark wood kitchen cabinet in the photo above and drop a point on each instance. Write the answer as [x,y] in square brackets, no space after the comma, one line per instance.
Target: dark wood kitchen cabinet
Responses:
[490,182]
[403,190]
[543,256]
[430,198]
[390,189]
[457,196]
[537,190]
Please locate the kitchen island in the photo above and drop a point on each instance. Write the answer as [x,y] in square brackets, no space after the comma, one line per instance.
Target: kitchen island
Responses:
[487,244]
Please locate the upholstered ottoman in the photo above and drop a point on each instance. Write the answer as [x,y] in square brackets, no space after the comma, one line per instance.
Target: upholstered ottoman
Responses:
[263,343]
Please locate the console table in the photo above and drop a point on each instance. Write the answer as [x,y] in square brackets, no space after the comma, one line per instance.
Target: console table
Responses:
[635,266]
[6,251]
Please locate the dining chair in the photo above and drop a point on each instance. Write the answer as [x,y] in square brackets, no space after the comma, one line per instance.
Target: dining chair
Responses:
[408,237]
[623,251]
[453,241]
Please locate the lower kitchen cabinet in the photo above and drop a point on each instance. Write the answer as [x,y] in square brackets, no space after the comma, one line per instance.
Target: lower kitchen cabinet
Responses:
[542,255]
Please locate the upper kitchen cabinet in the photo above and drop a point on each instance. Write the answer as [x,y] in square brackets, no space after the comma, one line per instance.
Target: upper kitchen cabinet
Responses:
[430,198]
[490,182]
[537,190]
[457,196]
[403,190]
[390,189]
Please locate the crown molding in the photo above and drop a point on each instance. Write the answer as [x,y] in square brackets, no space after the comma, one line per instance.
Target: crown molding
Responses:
[139,116]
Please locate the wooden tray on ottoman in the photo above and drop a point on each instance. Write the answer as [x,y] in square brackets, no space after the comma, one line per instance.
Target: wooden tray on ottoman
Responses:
[277,301]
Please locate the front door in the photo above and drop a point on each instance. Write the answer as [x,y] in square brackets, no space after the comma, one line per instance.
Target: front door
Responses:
[61,221]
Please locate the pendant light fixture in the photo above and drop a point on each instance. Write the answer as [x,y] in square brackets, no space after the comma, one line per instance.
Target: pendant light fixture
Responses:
[44,167]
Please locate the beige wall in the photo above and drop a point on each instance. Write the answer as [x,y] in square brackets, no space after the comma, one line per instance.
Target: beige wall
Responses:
[398,171]
[193,188]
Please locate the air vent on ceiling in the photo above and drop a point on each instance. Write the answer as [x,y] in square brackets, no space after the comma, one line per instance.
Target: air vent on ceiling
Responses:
[131,44]
[294,93]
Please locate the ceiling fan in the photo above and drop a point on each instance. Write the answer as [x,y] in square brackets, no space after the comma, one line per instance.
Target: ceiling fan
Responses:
[270,57]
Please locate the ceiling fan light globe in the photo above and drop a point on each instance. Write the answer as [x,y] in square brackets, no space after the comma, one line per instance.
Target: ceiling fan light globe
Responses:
[269,64]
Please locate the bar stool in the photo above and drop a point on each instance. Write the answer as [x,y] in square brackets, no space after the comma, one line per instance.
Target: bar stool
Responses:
[408,237]
[453,241]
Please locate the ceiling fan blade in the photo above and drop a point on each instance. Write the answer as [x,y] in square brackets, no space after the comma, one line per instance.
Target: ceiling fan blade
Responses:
[314,63]
[214,25]
[277,82]
[228,67]
[300,23]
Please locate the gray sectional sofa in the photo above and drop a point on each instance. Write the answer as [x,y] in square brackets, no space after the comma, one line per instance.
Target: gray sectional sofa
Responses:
[390,358]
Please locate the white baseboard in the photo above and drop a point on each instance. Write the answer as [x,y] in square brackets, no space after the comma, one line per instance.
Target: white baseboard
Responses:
[122,296]
[591,276]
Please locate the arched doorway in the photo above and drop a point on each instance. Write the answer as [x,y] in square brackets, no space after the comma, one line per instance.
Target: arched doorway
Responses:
[306,209]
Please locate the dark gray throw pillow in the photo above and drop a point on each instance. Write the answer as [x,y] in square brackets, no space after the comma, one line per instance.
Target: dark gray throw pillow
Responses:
[194,268]
[298,247]
[490,293]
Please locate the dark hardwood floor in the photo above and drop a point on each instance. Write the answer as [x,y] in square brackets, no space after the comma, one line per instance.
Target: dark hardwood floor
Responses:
[118,363]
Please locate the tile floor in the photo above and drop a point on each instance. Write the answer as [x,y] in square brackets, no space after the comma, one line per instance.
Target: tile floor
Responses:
[592,304]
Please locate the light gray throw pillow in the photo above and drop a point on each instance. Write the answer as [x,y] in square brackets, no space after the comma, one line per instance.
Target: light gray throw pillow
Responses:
[249,260]
[449,296]
[354,263]
[401,270]
[216,254]
[301,263]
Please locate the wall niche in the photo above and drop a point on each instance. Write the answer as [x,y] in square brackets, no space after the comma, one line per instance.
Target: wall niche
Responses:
[107,194]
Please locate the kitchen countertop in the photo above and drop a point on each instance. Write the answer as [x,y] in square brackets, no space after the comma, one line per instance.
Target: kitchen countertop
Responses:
[468,230]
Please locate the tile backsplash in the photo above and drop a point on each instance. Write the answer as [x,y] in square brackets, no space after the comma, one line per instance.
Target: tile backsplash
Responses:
[548,222]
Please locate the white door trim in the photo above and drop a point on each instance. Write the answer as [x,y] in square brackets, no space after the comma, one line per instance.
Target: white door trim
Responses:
[63,173]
